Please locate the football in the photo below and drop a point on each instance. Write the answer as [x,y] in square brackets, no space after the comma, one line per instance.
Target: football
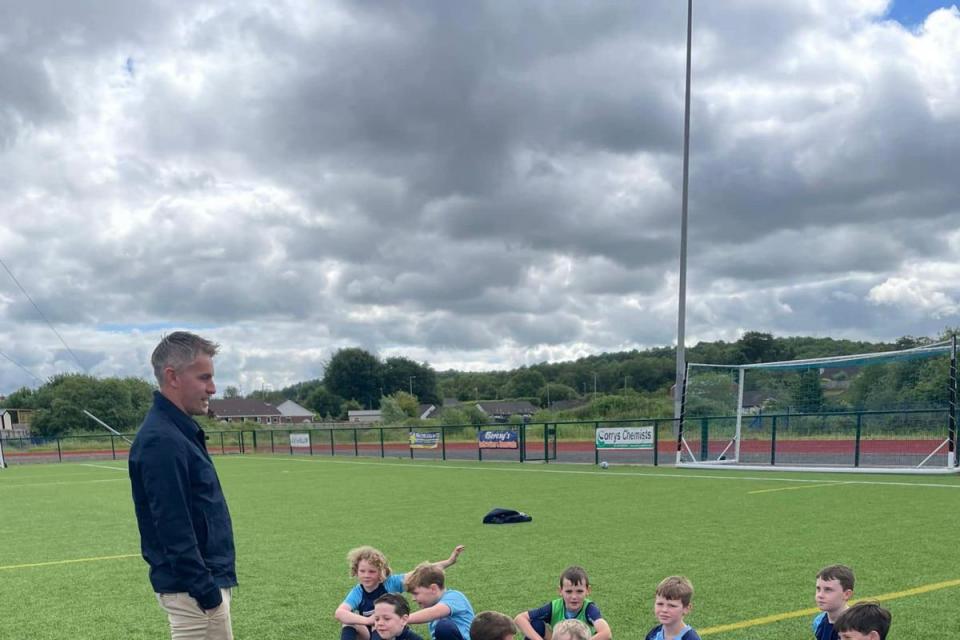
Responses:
[604,464]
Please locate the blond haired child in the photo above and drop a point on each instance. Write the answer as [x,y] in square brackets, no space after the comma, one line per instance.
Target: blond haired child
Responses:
[374,579]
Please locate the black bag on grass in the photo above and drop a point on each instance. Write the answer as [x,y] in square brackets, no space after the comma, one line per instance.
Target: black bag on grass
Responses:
[505,516]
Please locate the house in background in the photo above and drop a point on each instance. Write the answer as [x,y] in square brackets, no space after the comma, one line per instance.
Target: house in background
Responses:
[292,412]
[365,416]
[245,410]
[15,423]
[501,411]
[425,411]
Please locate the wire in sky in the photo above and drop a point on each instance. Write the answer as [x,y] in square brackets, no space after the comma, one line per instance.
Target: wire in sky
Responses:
[49,324]
[30,373]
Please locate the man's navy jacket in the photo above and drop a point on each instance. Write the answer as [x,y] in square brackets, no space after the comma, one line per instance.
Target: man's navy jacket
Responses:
[185,532]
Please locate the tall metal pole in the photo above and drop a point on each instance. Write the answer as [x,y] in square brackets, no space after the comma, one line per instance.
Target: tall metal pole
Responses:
[682,289]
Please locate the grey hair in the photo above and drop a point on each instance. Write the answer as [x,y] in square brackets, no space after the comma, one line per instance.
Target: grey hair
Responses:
[178,350]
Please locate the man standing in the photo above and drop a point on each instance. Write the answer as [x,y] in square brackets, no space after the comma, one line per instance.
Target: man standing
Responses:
[185,532]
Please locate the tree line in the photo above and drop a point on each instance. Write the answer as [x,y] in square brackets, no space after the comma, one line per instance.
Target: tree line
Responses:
[621,384]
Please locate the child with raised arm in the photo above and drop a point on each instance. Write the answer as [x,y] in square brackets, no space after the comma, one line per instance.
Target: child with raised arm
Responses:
[374,579]
[390,614]
[834,588]
[573,604]
[864,621]
[447,612]
[673,601]
[492,625]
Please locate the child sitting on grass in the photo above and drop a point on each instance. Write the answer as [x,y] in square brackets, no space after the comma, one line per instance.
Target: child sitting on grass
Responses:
[390,614]
[673,601]
[573,603]
[372,571]
[448,612]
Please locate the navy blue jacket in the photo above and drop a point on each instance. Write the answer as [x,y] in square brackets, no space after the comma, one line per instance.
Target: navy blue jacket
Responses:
[185,532]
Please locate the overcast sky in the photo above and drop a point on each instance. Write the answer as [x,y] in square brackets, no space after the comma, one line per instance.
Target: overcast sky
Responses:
[478,185]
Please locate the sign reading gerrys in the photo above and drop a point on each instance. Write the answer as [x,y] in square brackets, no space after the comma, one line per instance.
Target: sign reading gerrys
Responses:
[498,439]
[625,437]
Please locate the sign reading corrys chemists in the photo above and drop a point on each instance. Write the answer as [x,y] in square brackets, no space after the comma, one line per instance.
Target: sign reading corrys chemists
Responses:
[625,437]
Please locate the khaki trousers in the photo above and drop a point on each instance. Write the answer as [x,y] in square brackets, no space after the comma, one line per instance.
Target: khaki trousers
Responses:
[189,622]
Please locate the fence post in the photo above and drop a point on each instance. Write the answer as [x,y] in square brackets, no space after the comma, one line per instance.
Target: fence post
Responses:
[309,440]
[443,442]
[289,443]
[546,443]
[596,451]
[59,453]
[523,440]
[113,447]
[382,453]
[356,447]
[255,441]
[272,449]
[476,439]
[410,442]
[773,441]
[656,442]
[332,449]
[856,448]
[704,444]
[223,450]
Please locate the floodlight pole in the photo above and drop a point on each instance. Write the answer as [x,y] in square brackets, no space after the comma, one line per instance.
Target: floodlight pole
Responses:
[952,414]
[682,286]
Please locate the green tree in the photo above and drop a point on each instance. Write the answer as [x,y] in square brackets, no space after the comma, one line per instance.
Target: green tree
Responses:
[355,374]
[323,403]
[806,392]
[555,392]
[524,383]
[231,392]
[398,407]
[402,374]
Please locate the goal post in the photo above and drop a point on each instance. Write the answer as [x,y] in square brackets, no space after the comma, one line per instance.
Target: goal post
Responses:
[3,462]
[870,412]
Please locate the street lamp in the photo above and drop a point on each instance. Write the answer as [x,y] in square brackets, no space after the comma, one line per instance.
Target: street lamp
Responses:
[411,384]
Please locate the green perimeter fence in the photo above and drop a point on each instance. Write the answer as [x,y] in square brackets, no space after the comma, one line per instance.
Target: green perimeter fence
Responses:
[864,438]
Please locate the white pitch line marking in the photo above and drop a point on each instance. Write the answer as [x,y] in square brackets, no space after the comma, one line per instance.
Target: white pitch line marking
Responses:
[619,474]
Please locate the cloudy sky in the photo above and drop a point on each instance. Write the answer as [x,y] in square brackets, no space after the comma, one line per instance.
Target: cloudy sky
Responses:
[477,185]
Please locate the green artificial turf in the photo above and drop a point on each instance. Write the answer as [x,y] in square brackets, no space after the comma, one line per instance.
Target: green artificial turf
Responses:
[749,555]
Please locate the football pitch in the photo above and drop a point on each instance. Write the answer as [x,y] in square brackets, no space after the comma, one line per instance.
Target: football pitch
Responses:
[751,543]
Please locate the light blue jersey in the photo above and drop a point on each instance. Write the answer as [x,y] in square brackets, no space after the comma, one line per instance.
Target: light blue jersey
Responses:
[461,613]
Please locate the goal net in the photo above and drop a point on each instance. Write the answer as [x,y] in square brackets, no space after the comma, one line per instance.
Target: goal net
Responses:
[889,411]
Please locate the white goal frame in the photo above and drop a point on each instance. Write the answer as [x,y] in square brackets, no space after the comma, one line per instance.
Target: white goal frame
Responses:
[723,461]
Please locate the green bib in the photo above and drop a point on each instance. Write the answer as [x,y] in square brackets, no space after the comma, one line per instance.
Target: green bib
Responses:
[558,613]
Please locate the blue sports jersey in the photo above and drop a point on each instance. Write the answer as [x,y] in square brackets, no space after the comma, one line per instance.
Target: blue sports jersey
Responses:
[687,633]
[406,634]
[461,613]
[545,613]
[361,600]
[823,628]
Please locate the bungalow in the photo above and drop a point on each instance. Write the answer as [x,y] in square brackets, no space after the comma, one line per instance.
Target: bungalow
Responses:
[501,411]
[245,410]
[365,416]
[294,413]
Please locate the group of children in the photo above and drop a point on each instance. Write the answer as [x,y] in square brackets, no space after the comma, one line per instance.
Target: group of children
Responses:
[375,610]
